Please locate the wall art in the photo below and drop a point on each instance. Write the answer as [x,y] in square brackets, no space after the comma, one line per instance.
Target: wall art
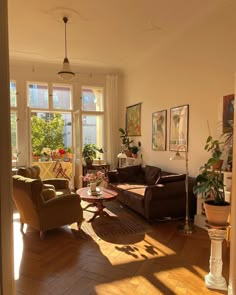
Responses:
[179,117]
[133,120]
[159,120]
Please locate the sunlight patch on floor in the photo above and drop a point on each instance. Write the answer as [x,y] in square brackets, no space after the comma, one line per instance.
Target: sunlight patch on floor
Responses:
[18,245]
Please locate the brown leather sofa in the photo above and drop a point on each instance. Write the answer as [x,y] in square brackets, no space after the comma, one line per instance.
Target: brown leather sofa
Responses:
[153,193]
[41,208]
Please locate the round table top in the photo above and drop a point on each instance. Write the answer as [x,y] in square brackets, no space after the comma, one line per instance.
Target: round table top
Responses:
[106,194]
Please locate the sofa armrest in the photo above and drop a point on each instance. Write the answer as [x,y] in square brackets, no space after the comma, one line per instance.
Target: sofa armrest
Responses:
[58,183]
[113,176]
[62,200]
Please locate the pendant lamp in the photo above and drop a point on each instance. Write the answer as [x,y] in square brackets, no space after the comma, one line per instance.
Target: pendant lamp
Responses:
[66,73]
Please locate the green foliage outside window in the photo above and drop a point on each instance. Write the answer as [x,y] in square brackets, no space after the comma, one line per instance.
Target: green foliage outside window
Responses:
[47,132]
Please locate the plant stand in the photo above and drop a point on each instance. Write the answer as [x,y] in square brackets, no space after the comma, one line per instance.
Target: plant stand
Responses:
[214,278]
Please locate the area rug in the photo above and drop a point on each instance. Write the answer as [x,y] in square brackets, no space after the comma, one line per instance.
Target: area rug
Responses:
[120,222]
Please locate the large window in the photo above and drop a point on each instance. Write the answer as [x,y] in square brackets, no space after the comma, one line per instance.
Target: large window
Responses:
[14,143]
[93,116]
[51,120]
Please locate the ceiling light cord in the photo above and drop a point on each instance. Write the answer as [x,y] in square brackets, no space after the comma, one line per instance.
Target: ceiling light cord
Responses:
[65,19]
[66,73]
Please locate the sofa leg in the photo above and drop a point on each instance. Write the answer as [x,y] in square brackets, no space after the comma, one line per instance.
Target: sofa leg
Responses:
[22,227]
[41,234]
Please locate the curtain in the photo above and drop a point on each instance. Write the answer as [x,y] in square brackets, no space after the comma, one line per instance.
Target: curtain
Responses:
[112,119]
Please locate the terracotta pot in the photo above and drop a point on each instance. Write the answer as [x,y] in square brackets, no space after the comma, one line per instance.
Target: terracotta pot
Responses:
[135,156]
[128,153]
[217,215]
[218,165]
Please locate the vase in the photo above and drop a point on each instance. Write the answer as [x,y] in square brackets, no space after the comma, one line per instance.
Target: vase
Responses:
[93,186]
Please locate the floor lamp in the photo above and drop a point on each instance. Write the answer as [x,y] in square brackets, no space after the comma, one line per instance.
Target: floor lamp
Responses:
[187,228]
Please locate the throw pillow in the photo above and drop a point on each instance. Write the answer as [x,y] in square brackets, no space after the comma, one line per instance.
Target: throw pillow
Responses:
[48,194]
[152,174]
[171,178]
[129,174]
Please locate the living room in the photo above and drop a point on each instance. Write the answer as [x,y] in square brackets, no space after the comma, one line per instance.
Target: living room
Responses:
[193,66]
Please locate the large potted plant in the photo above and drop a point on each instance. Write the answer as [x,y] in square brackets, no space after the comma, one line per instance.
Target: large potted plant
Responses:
[89,153]
[210,185]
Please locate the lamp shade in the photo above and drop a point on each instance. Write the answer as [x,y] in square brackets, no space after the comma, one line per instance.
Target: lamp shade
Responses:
[121,156]
[177,156]
[66,73]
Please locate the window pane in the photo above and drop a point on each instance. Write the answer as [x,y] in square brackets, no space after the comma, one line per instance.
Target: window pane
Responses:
[38,95]
[93,130]
[13,94]
[92,99]
[62,97]
[51,131]
[14,136]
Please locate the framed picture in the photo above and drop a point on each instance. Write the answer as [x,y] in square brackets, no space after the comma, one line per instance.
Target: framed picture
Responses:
[133,120]
[179,128]
[159,130]
[228,112]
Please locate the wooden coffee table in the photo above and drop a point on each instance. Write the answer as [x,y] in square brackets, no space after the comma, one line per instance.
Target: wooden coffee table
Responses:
[97,201]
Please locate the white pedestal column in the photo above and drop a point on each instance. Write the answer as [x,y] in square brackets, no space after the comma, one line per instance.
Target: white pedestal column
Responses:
[214,278]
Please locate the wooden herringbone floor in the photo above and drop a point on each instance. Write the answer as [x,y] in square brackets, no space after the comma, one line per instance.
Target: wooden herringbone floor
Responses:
[162,261]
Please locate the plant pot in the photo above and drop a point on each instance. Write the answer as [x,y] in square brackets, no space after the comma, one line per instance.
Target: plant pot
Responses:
[135,156]
[218,165]
[88,161]
[93,186]
[217,215]
[128,153]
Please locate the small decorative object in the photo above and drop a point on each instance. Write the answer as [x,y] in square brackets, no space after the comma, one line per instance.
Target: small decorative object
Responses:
[159,130]
[179,128]
[95,179]
[133,120]
[62,153]
[45,154]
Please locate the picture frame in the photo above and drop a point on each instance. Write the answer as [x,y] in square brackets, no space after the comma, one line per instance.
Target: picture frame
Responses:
[179,121]
[159,128]
[133,120]
[228,113]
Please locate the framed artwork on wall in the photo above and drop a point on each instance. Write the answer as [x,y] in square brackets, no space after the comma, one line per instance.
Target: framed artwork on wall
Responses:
[159,120]
[179,117]
[228,112]
[133,120]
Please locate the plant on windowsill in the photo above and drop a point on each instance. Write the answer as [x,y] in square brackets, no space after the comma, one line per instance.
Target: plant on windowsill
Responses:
[125,142]
[210,185]
[89,153]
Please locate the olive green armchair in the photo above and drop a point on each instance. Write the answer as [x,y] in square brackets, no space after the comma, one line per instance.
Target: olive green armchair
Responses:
[41,208]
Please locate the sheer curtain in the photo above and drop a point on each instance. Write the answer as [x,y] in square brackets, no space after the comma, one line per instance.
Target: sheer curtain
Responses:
[112,119]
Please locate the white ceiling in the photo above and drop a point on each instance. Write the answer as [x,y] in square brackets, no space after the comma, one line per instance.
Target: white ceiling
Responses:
[113,34]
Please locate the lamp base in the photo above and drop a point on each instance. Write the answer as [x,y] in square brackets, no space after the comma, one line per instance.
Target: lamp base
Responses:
[186,228]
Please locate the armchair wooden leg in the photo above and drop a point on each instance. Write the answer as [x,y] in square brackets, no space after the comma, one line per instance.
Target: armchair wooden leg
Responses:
[22,227]
[79,224]
[41,234]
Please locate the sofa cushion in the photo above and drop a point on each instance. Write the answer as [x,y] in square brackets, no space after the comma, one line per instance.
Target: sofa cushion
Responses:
[152,174]
[171,178]
[130,174]
[48,194]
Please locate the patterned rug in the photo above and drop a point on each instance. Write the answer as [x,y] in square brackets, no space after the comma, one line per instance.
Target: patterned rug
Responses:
[121,221]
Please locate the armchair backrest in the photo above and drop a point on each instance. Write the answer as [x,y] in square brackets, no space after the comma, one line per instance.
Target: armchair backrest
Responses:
[27,198]
[30,172]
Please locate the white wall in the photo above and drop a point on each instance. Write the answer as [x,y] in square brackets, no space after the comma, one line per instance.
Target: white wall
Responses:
[197,68]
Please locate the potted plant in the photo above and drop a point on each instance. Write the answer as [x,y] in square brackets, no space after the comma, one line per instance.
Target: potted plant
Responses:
[125,142]
[214,146]
[210,185]
[89,153]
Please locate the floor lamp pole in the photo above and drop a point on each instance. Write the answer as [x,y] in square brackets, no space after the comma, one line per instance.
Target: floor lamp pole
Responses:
[187,228]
